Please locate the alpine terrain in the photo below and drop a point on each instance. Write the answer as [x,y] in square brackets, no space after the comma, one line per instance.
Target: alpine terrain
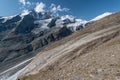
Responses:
[24,35]
[42,45]
[92,53]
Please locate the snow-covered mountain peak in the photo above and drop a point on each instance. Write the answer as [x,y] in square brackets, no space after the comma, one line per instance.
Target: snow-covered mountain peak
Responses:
[70,17]
[101,16]
[25,12]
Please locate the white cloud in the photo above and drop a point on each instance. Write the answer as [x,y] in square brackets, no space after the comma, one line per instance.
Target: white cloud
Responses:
[24,2]
[39,7]
[102,16]
[28,3]
[55,9]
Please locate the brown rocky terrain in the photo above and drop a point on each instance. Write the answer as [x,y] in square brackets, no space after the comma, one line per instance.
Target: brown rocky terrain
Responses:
[92,53]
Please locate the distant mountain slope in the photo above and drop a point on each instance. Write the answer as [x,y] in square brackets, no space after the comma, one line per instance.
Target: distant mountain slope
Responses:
[33,30]
[24,35]
[89,54]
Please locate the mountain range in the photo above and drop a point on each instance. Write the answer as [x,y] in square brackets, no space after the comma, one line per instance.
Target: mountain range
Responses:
[44,35]
[92,53]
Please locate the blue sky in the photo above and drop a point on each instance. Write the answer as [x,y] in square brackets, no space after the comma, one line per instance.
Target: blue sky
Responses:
[85,9]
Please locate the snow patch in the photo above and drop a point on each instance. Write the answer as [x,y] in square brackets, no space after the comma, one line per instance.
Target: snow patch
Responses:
[42,25]
[14,77]
[6,18]
[77,23]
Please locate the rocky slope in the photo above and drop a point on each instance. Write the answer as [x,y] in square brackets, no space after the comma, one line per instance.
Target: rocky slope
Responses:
[89,54]
[24,35]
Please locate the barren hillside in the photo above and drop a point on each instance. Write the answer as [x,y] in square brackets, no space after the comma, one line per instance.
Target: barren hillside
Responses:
[89,54]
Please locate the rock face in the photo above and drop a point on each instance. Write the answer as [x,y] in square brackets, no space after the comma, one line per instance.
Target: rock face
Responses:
[89,54]
[53,36]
